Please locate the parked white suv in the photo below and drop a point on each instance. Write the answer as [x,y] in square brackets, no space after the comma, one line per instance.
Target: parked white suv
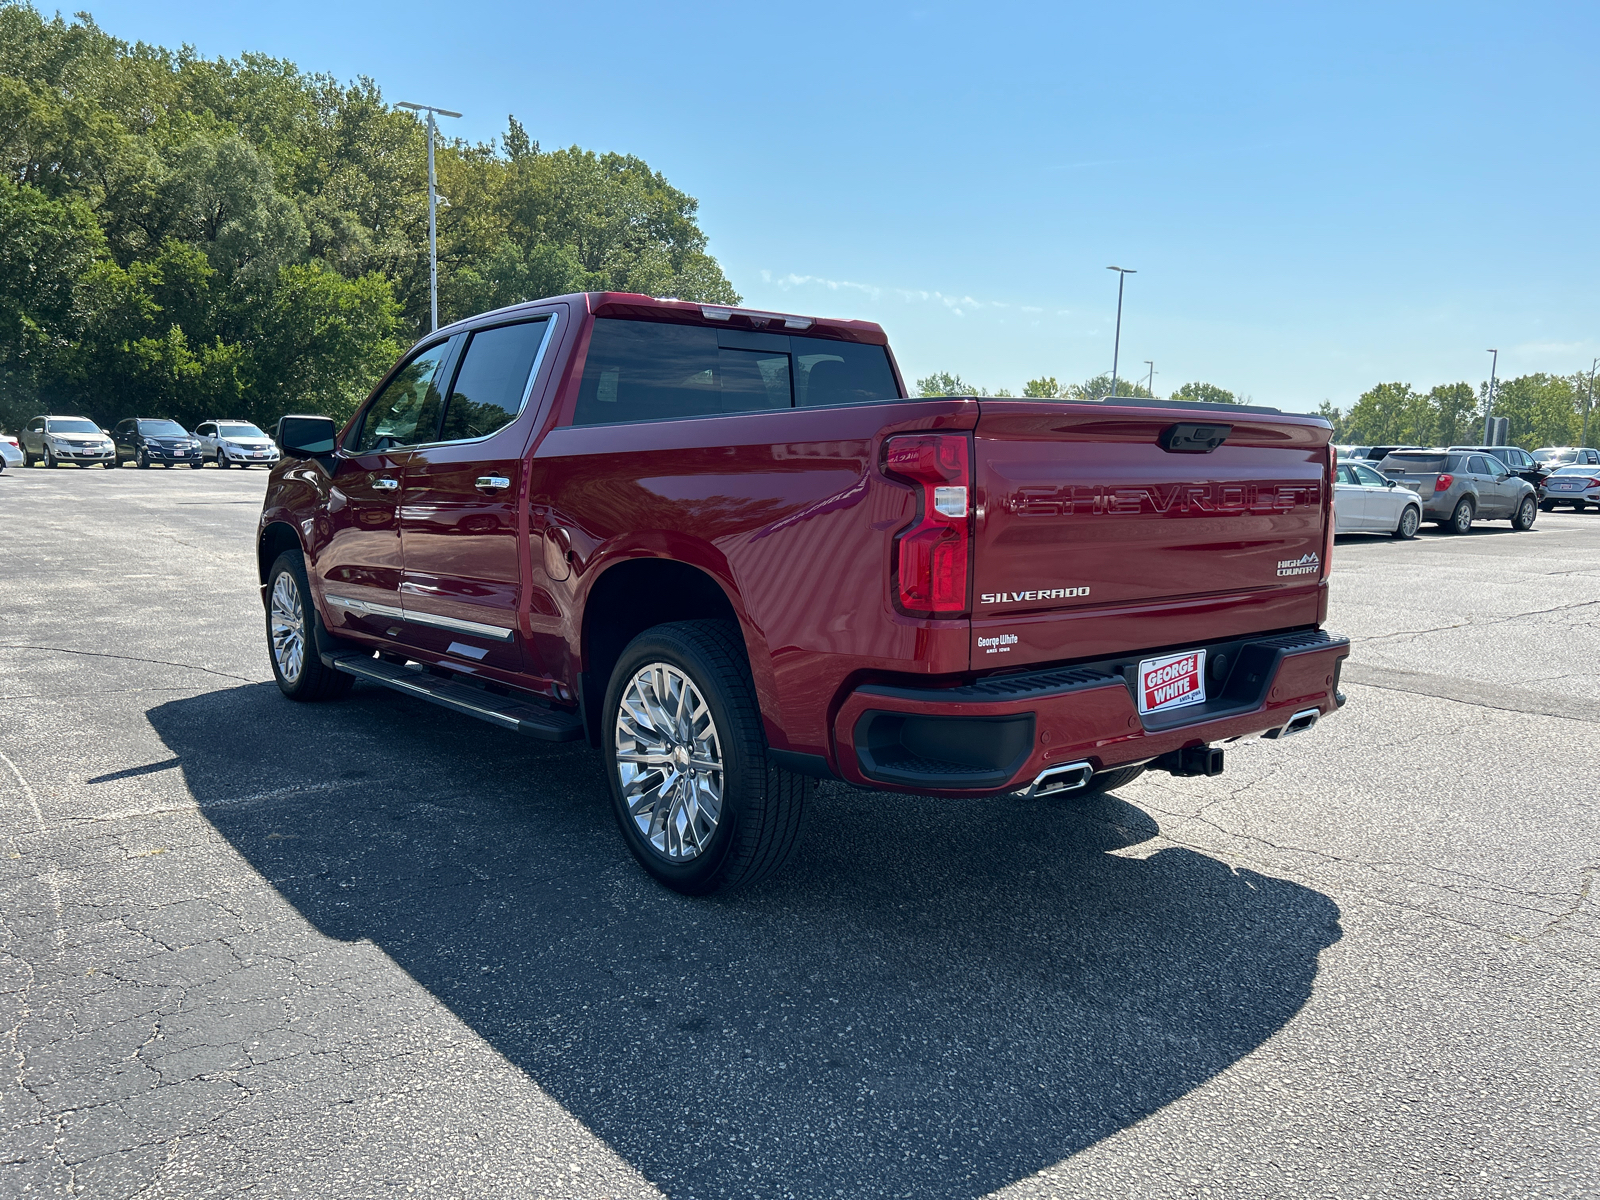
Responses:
[228,443]
[59,440]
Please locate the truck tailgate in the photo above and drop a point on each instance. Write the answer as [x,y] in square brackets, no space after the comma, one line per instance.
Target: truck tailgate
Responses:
[1084,513]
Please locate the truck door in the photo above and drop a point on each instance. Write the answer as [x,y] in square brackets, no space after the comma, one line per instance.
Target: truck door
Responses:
[360,563]
[460,521]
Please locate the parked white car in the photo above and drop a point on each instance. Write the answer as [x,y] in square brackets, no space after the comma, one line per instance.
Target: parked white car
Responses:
[235,443]
[10,451]
[58,440]
[1365,502]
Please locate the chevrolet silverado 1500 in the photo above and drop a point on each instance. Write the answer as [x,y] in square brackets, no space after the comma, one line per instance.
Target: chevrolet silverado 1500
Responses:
[727,548]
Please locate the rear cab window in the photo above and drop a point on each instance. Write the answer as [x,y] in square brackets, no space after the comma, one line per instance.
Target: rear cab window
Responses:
[654,371]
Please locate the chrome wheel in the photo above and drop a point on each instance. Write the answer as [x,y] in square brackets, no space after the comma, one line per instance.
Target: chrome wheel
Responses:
[287,627]
[669,761]
[1409,520]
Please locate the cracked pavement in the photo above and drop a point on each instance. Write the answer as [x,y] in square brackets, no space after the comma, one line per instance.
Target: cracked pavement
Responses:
[376,949]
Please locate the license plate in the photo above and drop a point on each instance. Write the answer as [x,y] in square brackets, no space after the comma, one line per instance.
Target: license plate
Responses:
[1565,487]
[258,454]
[178,453]
[1172,681]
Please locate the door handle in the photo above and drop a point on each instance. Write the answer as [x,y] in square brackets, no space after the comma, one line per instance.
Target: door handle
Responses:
[385,484]
[492,483]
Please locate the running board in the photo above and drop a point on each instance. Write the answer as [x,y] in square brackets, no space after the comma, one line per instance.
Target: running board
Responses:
[549,724]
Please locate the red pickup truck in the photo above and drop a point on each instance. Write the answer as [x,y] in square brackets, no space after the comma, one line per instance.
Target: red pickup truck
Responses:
[727,548]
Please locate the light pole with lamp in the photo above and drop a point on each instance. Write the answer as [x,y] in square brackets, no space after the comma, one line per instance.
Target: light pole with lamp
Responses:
[433,205]
[1150,383]
[1583,438]
[1488,402]
[1116,347]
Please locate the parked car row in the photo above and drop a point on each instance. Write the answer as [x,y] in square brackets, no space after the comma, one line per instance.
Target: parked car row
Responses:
[143,441]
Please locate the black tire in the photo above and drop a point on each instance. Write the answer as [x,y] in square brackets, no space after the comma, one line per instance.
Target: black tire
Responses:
[1461,517]
[1578,506]
[111,465]
[1410,522]
[1547,507]
[142,460]
[757,827]
[1527,510]
[313,680]
[222,462]
[50,459]
[1110,781]
[198,463]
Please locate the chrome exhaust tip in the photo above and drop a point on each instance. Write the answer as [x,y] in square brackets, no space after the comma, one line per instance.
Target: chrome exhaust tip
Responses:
[1066,777]
[1302,722]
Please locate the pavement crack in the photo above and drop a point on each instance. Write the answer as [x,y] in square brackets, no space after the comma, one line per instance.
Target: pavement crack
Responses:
[159,662]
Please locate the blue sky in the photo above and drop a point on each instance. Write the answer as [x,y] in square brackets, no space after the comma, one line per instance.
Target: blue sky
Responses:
[1316,198]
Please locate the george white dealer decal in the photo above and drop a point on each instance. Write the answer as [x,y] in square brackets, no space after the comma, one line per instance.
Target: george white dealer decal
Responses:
[1020,597]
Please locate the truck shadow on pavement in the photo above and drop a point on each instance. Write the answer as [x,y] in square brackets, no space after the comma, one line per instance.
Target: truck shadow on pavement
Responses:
[937,999]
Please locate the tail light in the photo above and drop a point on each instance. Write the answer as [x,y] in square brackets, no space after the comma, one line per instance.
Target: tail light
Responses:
[932,557]
[1442,484]
[1328,521]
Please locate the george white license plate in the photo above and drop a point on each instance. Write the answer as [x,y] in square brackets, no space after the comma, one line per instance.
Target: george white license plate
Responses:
[1172,681]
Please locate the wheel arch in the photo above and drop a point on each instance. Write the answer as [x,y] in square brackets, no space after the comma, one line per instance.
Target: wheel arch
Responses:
[275,538]
[635,594]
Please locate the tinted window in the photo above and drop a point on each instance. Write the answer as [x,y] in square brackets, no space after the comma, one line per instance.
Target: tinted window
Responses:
[1422,463]
[406,412]
[162,429]
[493,380]
[78,427]
[239,431]
[1345,475]
[1575,470]
[647,371]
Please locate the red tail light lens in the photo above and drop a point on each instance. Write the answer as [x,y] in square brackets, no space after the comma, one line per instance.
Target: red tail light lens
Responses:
[1442,484]
[933,555]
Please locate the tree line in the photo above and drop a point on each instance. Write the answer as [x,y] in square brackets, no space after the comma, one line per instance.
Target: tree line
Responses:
[1541,409]
[943,383]
[190,237]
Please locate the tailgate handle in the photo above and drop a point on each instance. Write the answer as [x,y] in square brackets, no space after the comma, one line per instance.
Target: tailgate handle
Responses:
[1193,439]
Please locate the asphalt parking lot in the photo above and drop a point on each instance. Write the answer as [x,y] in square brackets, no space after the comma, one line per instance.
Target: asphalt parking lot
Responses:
[375,949]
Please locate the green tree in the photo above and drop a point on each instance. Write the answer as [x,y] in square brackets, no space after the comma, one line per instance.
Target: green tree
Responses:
[1456,414]
[1391,412]
[942,383]
[1330,413]
[1206,393]
[1543,410]
[1043,388]
[1100,387]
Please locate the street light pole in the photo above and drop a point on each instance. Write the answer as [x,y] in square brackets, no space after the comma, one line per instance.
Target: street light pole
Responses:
[1488,402]
[1150,383]
[1583,438]
[1116,347]
[433,205]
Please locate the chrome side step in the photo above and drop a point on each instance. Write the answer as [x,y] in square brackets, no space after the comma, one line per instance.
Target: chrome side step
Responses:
[523,716]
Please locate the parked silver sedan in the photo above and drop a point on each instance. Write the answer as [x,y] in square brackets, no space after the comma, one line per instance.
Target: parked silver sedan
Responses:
[1574,485]
[1365,502]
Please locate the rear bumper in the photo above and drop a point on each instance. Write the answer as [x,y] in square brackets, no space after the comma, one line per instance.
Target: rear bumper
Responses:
[999,733]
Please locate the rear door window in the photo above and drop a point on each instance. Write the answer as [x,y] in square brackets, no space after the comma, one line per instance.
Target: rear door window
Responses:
[492,383]
[650,371]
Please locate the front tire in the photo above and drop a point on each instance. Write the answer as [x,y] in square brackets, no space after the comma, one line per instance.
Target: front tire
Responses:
[1526,512]
[700,805]
[292,628]
[222,463]
[1461,518]
[143,461]
[50,459]
[1410,519]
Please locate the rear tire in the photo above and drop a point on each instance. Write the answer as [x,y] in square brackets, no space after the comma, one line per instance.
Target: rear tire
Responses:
[1578,506]
[1526,512]
[293,631]
[701,807]
[1547,507]
[1461,519]
[1410,519]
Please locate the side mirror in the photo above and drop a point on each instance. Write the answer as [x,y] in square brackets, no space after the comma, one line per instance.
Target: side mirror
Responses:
[306,437]
[1388,483]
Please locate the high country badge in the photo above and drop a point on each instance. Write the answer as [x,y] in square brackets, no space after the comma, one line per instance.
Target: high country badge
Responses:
[1306,564]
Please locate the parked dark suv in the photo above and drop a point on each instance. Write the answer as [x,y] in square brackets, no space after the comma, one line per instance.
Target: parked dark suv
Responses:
[147,440]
